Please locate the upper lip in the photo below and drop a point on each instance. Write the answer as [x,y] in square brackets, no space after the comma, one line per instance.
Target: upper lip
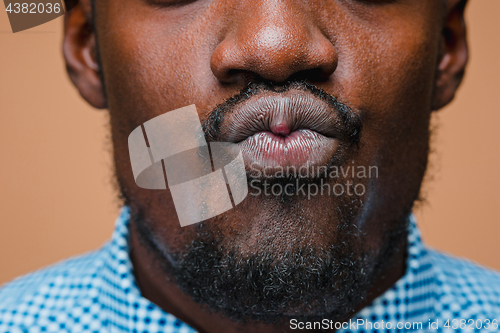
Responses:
[282,114]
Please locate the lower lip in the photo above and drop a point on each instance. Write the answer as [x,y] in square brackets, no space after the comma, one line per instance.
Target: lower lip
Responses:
[298,149]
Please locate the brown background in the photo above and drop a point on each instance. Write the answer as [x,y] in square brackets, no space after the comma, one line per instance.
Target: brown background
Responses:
[56,193]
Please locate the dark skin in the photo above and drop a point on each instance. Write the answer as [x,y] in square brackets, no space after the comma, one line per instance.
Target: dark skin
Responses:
[393,61]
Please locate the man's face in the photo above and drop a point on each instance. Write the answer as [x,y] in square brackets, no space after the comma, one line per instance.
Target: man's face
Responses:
[346,84]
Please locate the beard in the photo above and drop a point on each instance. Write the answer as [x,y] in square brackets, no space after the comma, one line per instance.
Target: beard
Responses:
[309,276]
[273,285]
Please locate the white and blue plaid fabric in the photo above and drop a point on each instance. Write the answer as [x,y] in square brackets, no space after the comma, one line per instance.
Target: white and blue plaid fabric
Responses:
[97,292]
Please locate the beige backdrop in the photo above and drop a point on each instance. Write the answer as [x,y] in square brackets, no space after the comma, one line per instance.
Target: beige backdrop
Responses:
[57,198]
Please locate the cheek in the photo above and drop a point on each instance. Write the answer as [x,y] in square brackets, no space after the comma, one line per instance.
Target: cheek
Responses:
[388,75]
[144,77]
[149,72]
[397,87]
[153,64]
[399,90]
[387,69]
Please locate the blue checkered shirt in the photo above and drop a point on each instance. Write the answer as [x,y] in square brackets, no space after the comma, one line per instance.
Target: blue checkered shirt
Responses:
[97,292]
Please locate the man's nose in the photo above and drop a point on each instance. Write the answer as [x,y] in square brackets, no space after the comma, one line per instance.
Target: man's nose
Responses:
[275,40]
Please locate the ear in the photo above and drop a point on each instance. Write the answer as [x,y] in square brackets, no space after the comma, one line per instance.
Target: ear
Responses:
[80,54]
[454,54]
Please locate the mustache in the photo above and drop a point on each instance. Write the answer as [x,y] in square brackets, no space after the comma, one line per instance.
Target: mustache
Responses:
[352,121]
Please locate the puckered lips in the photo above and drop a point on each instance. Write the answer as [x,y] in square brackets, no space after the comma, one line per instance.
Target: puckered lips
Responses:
[292,129]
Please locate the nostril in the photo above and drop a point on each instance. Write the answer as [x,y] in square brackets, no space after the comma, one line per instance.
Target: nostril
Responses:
[313,74]
[238,76]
